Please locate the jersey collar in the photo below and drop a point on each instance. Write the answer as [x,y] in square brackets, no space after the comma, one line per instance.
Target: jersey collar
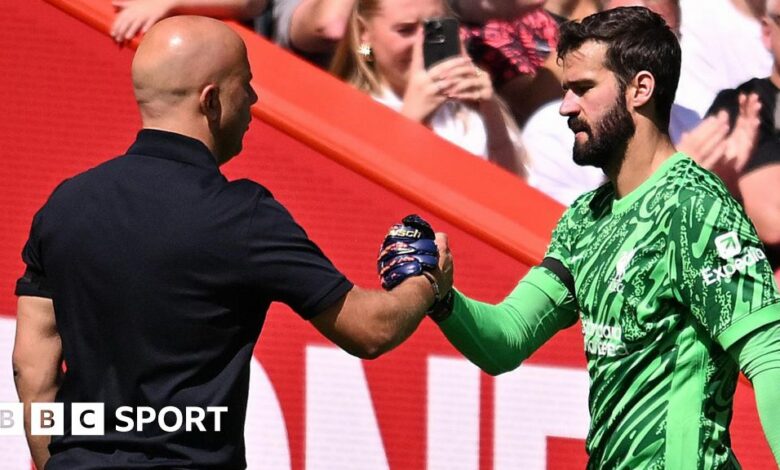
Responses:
[172,146]
[622,204]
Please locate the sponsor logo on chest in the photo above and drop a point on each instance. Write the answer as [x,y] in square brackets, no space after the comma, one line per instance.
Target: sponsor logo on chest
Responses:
[603,340]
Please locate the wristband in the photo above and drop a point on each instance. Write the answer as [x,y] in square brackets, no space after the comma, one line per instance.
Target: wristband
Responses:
[436,292]
[442,309]
[442,306]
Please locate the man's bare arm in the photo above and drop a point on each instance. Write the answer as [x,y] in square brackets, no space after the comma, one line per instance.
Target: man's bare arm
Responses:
[37,364]
[368,323]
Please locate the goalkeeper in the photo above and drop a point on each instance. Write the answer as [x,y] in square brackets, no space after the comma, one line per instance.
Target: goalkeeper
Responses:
[661,265]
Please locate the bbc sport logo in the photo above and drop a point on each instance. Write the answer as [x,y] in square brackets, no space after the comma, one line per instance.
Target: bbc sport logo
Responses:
[88,419]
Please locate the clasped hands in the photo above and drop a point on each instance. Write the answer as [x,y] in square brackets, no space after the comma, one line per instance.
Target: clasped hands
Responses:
[412,248]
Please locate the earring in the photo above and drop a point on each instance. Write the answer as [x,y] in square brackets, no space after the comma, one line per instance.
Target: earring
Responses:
[364,49]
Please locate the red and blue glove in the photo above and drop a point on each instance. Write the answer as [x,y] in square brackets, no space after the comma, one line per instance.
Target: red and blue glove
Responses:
[408,250]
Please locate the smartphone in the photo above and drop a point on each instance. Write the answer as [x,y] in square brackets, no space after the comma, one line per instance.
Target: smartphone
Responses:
[441,40]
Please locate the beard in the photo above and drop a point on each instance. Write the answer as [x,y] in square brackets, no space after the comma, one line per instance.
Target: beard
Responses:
[608,144]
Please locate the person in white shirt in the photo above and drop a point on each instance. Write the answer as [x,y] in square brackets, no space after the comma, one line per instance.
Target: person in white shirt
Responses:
[381,54]
[721,46]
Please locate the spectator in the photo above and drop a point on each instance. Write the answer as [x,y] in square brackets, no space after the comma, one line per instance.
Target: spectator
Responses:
[310,28]
[517,54]
[313,28]
[137,16]
[482,11]
[381,54]
[512,39]
[563,10]
[752,170]
[723,148]
[721,46]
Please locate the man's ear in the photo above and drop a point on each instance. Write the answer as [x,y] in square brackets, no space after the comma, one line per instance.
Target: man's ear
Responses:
[766,34]
[210,105]
[640,90]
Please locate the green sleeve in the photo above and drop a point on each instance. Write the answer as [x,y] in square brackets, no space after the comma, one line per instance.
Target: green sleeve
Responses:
[497,338]
[767,390]
[719,269]
[758,355]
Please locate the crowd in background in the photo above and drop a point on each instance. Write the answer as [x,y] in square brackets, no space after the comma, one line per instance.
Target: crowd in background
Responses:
[500,99]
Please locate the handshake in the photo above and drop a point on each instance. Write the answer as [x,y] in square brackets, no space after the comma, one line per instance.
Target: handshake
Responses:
[410,249]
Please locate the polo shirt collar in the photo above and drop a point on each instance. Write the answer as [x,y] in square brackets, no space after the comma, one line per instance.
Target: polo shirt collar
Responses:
[172,146]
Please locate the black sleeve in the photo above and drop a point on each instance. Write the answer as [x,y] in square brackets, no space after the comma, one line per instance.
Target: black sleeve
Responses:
[768,145]
[726,100]
[288,267]
[767,153]
[33,282]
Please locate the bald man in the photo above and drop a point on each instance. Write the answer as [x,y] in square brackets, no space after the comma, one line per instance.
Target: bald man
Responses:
[150,275]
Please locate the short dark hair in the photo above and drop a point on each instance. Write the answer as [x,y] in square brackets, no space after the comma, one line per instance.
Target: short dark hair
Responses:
[637,39]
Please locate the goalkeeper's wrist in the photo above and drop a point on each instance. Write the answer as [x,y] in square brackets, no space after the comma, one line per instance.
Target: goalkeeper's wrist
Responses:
[442,305]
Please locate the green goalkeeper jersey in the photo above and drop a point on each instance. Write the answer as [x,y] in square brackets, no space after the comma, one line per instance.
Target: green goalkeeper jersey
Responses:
[666,279]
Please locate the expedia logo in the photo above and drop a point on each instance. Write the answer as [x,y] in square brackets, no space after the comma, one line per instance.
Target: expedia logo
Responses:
[405,232]
[750,258]
[728,245]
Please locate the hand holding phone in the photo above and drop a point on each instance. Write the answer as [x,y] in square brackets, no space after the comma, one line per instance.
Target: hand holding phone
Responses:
[441,40]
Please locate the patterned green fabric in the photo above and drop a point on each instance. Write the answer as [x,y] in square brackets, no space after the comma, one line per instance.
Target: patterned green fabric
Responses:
[666,279]
[497,338]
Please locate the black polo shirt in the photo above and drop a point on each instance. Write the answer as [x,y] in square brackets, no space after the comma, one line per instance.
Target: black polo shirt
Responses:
[161,272]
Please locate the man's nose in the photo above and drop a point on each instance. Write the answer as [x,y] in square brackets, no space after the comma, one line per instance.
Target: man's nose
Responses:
[570,105]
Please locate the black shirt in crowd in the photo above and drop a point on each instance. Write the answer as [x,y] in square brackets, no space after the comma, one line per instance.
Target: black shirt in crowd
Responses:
[767,151]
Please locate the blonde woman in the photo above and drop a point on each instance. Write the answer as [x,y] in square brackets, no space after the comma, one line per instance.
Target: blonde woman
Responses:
[381,54]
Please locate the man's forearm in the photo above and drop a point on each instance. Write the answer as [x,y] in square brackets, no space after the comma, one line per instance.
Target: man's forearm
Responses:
[30,392]
[240,9]
[399,312]
[367,323]
[37,363]
[39,445]
[316,26]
